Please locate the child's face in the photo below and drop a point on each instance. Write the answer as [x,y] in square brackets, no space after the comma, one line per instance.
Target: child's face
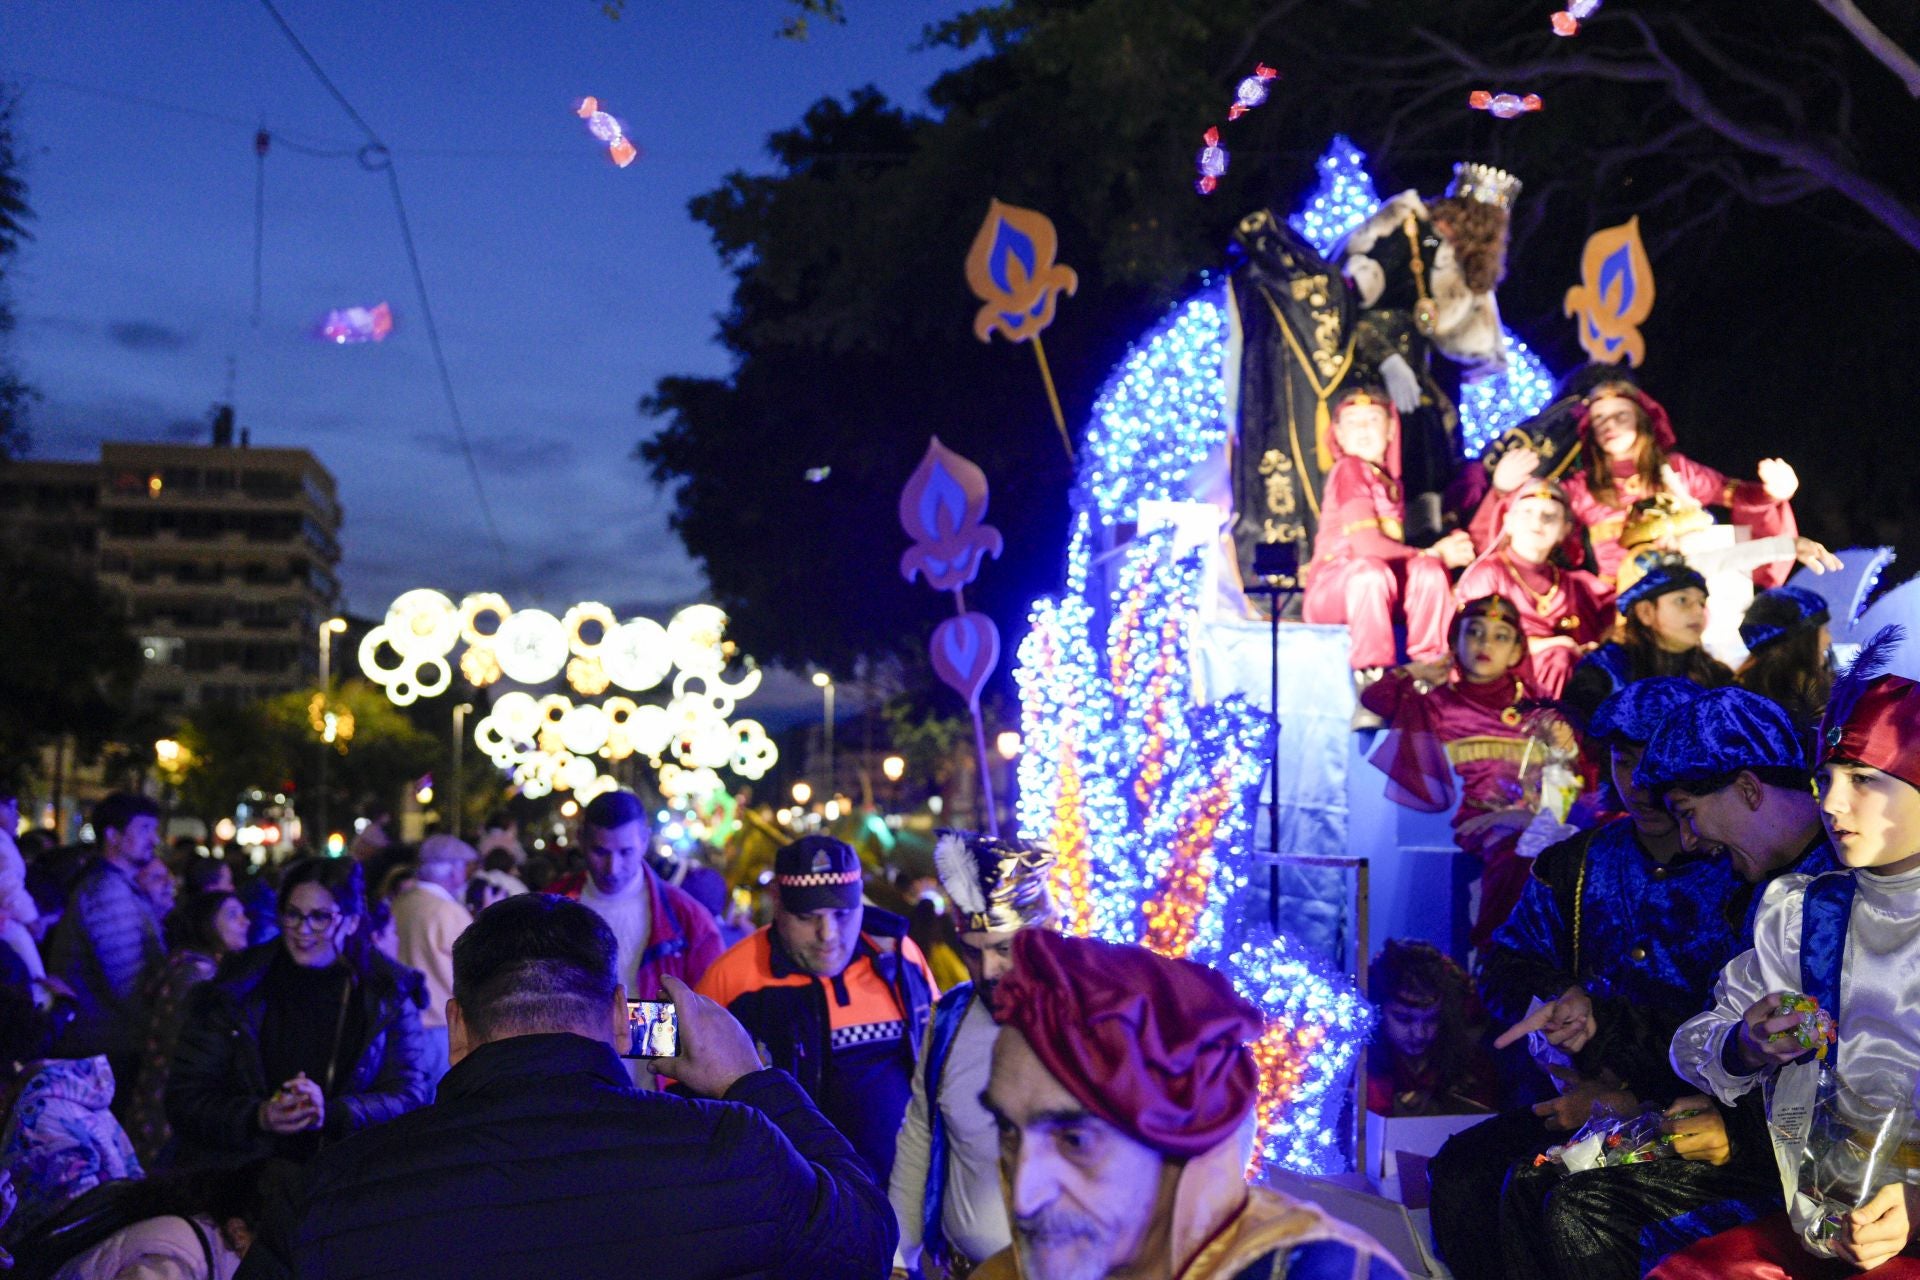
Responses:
[1677,619]
[1873,818]
[1615,422]
[1361,430]
[1534,527]
[1650,817]
[1487,649]
[1410,1028]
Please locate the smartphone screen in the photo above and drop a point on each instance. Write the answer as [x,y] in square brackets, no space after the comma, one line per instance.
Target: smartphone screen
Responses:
[655,1027]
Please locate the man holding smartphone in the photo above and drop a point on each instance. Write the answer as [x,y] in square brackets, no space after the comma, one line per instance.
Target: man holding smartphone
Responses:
[539,1158]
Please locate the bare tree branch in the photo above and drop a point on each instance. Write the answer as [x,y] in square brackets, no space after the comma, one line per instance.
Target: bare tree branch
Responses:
[1876,42]
[1874,199]
[1253,33]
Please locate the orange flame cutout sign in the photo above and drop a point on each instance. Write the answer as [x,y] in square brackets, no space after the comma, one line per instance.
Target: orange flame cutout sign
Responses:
[1011,270]
[1614,296]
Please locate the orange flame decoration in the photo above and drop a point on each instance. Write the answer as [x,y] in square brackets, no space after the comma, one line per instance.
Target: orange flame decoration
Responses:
[1281,1057]
[1072,884]
[1173,914]
[1615,295]
[1010,268]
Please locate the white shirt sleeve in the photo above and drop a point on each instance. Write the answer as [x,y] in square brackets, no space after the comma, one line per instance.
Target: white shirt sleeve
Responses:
[1773,965]
[912,1164]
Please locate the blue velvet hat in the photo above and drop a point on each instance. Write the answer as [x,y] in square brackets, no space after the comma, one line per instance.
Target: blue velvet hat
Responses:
[1718,733]
[1651,574]
[1634,714]
[1777,612]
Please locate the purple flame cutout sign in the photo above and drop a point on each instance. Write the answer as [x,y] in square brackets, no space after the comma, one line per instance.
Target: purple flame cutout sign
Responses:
[943,508]
[965,650]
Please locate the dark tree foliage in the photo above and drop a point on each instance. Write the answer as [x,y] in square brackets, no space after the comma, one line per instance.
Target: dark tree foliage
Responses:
[1768,154]
[70,664]
[15,395]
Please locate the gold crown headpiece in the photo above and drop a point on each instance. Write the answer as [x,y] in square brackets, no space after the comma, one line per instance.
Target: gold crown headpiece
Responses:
[1485,183]
[996,885]
[1663,516]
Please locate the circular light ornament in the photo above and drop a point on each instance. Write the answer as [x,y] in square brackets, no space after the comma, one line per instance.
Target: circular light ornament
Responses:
[650,729]
[430,678]
[574,773]
[584,729]
[423,624]
[531,646]
[517,714]
[381,673]
[697,636]
[483,607]
[754,753]
[589,613]
[637,654]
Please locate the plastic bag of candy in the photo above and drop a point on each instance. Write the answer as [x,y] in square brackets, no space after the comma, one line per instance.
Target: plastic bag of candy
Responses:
[1606,1141]
[1838,1142]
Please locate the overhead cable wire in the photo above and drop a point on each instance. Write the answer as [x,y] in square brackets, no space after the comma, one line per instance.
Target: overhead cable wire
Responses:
[376,156]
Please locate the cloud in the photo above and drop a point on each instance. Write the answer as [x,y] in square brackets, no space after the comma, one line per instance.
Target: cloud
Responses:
[145,335]
[72,429]
[504,452]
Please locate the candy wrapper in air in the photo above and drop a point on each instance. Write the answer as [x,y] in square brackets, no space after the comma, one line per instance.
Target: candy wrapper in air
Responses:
[1614,1140]
[1836,1145]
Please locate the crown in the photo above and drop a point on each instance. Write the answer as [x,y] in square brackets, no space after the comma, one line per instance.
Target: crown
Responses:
[1484,183]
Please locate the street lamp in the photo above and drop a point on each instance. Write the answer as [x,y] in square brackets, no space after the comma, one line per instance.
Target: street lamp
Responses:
[894,768]
[824,682]
[1008,744]
[802,793]
[328,630]
[459,743]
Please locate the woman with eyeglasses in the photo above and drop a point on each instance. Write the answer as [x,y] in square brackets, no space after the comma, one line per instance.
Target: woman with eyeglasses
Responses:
[299,1041]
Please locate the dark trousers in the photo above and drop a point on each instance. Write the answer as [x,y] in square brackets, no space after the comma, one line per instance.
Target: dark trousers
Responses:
[1468,1176]
[1618,1223]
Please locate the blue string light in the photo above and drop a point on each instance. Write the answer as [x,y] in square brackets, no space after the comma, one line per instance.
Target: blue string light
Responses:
[1121,767]
[1138,788]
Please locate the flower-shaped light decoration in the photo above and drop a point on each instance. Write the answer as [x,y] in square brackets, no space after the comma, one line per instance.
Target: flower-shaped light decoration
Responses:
[1147,800]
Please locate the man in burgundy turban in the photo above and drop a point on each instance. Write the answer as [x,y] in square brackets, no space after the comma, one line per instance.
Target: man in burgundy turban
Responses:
[1124,1091]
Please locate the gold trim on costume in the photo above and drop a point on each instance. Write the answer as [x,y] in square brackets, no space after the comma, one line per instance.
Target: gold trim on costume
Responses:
[1322,391]
[1487,747]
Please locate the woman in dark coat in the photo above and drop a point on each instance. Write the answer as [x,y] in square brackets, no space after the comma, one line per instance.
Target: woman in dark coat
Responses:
[301,1041]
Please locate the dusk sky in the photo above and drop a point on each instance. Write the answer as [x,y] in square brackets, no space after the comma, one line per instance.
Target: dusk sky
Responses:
[563,286]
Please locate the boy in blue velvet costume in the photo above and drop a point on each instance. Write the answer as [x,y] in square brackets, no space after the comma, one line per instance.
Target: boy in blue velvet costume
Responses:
[1730,767]
[1615,942]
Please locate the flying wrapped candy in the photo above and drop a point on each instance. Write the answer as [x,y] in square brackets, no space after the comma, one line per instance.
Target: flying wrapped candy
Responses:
[1816,1031]
[1567,21]
[1212,161]
[355,324]
[608,130]
[1504,105]
[1251,92]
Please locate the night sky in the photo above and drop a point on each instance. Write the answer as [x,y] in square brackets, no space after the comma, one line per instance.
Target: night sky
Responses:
[563,286]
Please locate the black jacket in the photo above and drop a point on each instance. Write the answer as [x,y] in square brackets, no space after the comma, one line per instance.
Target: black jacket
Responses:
[538,1158]
[217,1081]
